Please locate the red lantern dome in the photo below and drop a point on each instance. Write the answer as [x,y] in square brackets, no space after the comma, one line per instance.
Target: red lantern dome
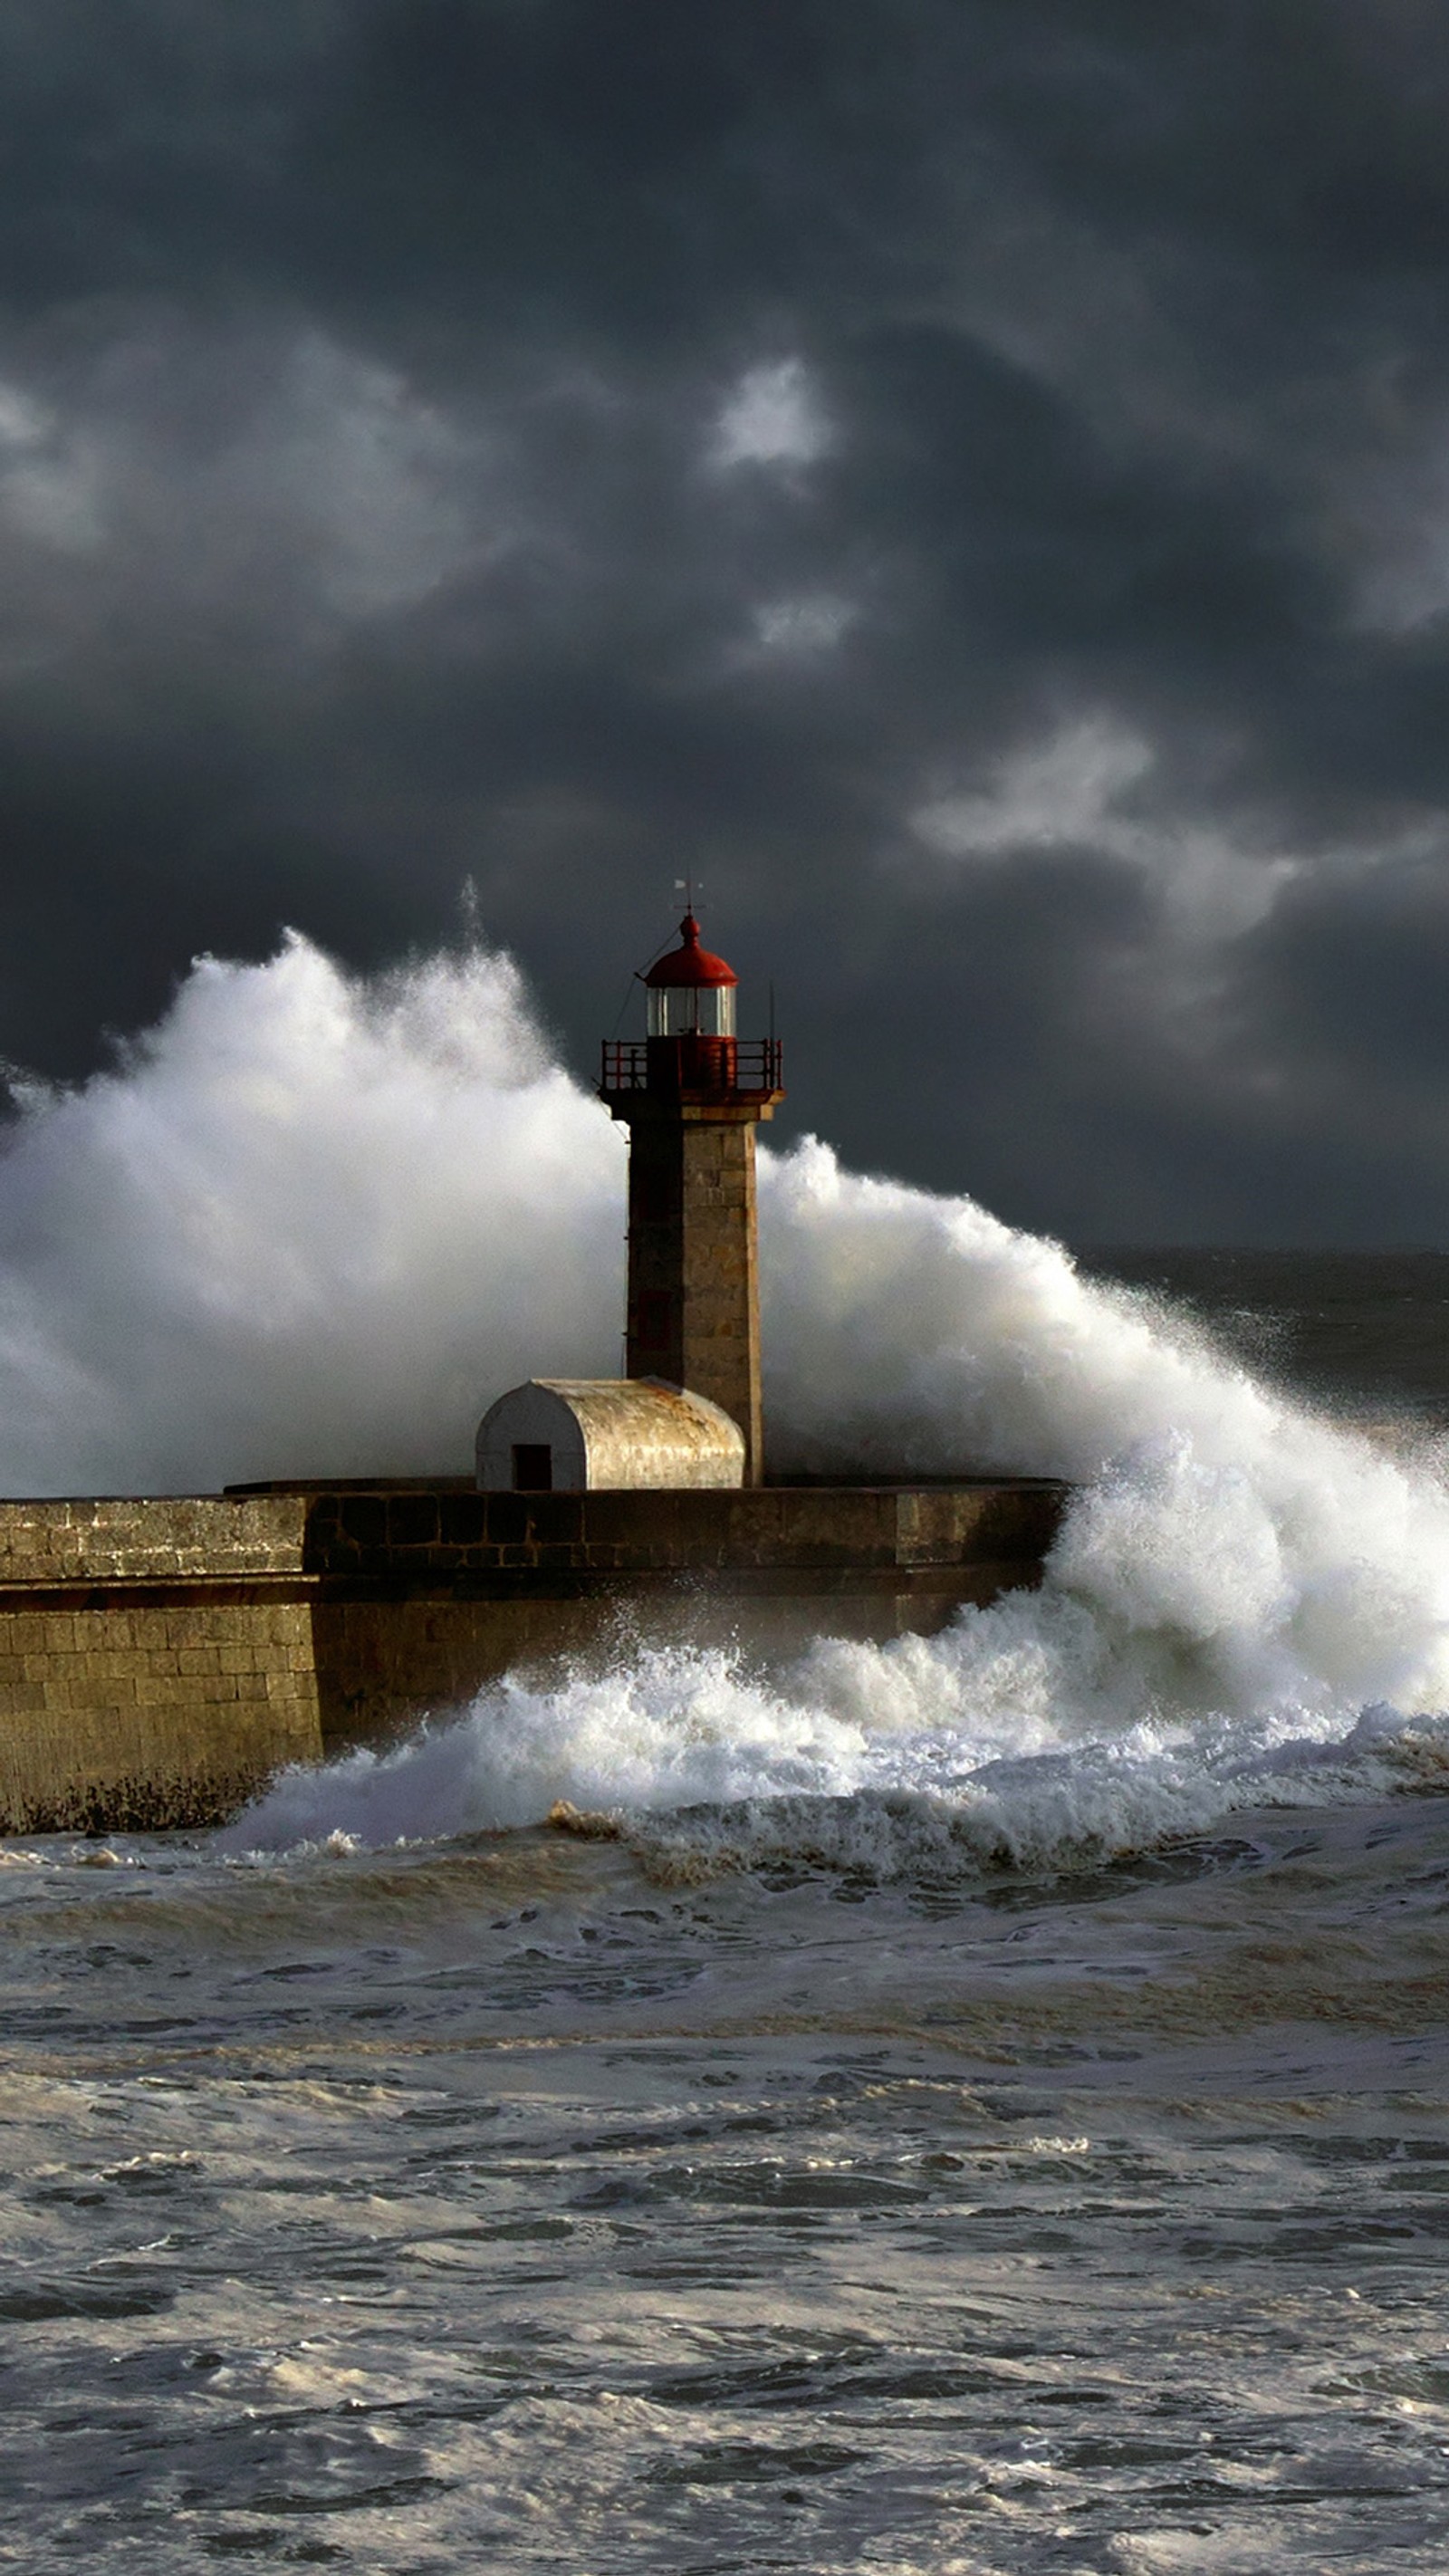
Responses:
[691,993]
[689,963]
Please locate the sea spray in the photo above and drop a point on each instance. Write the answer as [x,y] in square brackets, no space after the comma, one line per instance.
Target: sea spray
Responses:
[700,1766]
[312,1223]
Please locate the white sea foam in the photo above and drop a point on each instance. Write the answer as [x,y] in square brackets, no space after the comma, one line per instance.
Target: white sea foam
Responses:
[876,1759]
[311,1224]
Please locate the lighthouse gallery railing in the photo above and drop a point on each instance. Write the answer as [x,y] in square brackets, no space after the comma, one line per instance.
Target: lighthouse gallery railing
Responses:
[730,1067]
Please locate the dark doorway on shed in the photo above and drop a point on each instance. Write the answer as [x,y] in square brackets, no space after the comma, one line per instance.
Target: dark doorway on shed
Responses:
[532,1467]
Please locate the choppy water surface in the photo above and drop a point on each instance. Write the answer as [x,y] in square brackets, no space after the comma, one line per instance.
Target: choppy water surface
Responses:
[974,2104]
[521,2202]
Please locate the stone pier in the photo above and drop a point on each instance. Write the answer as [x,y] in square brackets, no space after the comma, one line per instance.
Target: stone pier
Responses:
[161,1659]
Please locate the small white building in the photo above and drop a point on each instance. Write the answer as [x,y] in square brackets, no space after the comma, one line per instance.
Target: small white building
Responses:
[575,1434]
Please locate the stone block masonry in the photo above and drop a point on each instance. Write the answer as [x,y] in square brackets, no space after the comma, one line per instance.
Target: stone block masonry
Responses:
[160,1660]
[425,1595]
[156,1659]
[694,1296]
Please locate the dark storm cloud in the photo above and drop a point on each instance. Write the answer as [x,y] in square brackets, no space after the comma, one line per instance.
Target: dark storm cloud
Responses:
[970,480]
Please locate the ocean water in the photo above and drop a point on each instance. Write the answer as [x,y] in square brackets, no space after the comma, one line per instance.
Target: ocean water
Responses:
[530,2201]
[1363,1333]
[980,2103]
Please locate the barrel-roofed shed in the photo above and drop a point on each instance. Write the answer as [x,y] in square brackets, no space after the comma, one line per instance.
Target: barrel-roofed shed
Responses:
[575,1434]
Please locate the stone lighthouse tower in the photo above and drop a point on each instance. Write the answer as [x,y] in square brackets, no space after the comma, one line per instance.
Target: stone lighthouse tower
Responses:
[691,1096]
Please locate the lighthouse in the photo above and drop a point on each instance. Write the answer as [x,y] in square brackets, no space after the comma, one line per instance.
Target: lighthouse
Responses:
[688,1411]
[692,1093]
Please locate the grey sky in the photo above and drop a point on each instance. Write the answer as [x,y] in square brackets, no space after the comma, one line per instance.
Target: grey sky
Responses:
[969,479]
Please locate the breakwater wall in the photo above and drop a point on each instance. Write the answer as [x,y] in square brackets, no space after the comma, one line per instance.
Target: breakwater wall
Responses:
[161,1658]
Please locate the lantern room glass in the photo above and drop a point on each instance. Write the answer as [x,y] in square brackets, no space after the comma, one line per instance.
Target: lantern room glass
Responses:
[691,1010]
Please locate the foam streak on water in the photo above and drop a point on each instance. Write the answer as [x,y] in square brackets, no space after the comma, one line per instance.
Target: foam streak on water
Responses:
[493,2206]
